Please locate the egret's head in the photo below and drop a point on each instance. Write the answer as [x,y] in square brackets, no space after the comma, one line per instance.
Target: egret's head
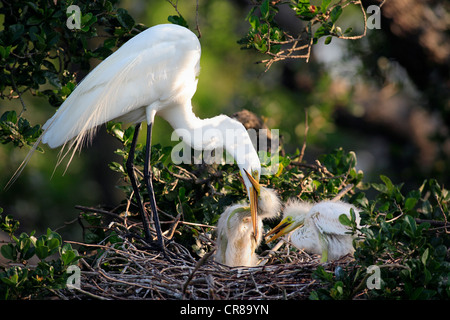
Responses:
[294,216]
[251,182]
[269,204]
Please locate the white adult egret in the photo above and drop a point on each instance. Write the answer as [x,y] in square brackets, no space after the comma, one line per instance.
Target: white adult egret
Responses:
[319,229]
[236,241]
[155,72]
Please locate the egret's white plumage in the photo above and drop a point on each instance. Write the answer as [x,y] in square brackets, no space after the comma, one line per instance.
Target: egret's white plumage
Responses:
[156,69]
[316,228]
[236,243]
[154,73]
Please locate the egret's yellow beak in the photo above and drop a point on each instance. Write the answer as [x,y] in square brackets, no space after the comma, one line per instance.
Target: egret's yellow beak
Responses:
[286,225]
[254,192]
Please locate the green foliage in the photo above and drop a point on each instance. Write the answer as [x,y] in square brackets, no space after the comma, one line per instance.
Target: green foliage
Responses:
[23,280]
[267,37]
[17,130]
[179,20]
[41,55]
[263,28]
[406,237]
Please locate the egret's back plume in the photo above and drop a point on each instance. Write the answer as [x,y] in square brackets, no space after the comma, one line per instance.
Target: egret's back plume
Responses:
[121,86]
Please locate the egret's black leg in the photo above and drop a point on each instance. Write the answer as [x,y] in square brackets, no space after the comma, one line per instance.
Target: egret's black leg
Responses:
[130,170]
[148,181]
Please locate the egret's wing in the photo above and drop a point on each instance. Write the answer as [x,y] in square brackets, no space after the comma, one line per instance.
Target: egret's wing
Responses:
[158,65]
[329,225]
[221,247]
[325,216]
[239,208]
[295,207]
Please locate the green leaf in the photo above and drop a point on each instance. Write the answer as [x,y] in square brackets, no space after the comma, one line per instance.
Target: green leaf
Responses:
[410,203]
[115,129]
[424,257]
[254,22]
[179,20]
[125,19]
[87,21]
[328,40]
[324,5]
[265,9]
[110,43]
[9,251]
[5,51]
[387,182]
[17,30]
[428,276]
[322,274]
[11,279]
[261,47]
[34,20]
[348,30]
[335,13]
[53,79]
[343,219]
[324,30]
[68,255]
[29,253]
[411,223]
[182,194]
[24,242]
[42,252]
[117,167]
[53,244]
[10,116]
[128,135]
[108,6]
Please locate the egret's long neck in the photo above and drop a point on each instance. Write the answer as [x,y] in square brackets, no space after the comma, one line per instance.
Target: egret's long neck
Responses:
[213,133]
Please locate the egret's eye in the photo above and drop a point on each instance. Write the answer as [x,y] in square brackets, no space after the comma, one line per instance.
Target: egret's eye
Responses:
[255,174]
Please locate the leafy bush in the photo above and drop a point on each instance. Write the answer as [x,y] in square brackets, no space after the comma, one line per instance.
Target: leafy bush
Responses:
[40,55]
[318,21]
[23,280]
[406,237]
[17,130]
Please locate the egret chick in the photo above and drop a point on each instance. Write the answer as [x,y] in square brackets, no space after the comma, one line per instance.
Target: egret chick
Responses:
[316,228]
[236,242]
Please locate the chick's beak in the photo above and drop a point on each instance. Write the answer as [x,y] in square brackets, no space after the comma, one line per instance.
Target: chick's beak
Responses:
[254,192]
[285,226]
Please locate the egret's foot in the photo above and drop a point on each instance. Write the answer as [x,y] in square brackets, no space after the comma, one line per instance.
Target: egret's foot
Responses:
[167,254]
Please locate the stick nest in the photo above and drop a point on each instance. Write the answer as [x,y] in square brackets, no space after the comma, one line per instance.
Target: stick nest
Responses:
[129,271]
